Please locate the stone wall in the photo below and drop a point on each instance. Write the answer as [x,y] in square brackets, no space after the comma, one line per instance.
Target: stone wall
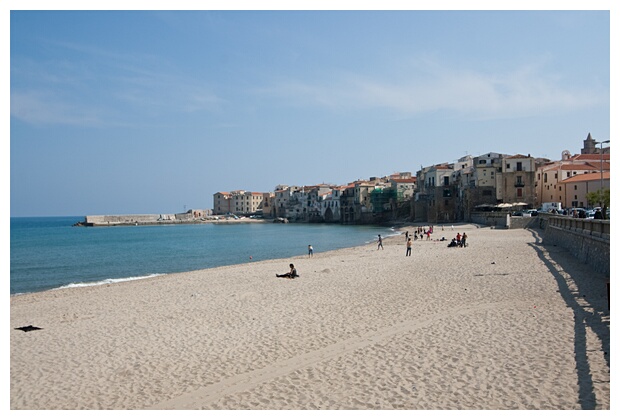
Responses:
[491,218]
[121,219]
[586,239]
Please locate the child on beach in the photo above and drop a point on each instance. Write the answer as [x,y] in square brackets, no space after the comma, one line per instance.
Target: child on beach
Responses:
[310,251]
[408,254]
[380,243]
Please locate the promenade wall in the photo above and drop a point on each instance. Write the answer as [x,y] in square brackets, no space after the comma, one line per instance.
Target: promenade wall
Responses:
[587,239]
[497,219]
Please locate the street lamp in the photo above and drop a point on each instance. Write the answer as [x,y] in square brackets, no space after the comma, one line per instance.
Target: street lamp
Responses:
[601,194]
[602,143]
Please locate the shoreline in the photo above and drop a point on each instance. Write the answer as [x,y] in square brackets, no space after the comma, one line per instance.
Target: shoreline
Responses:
[490,326]
[135,276]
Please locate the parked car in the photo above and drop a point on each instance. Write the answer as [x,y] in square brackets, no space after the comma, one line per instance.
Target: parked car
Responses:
[577,212]
[532,212]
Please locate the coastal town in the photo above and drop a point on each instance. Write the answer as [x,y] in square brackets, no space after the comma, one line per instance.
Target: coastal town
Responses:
[447,192]
[440,193]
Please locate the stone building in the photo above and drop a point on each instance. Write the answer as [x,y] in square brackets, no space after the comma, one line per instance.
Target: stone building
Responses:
[238,202]
[577,188]
[518,179]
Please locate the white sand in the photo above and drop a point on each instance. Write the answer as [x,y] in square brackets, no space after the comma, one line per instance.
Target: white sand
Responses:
[501,324]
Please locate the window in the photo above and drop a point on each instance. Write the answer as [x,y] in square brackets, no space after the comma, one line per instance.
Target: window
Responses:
[519,166]
[519,192]
[545,178]
[508,166]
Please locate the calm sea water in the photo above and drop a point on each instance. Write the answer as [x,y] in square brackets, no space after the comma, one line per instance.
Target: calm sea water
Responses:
[48,252]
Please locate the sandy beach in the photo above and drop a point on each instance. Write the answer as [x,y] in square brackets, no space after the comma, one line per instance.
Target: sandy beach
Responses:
[505,323]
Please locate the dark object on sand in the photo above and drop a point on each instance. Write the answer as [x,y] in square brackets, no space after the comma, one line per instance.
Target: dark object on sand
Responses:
[28,328]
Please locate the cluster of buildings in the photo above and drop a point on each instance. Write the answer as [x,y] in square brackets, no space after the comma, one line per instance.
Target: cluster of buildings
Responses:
[441,193]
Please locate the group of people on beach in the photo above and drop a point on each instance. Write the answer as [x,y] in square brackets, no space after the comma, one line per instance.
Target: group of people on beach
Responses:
[460,241]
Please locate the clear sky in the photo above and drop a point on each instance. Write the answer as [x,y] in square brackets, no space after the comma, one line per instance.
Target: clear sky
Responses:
[117,112]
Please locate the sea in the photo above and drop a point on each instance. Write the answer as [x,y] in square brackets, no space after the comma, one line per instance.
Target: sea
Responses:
[50,253]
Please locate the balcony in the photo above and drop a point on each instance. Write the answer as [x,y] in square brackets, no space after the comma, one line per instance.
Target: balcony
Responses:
[519,184]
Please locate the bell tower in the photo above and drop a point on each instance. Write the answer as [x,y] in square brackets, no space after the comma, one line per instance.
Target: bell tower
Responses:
[589,146]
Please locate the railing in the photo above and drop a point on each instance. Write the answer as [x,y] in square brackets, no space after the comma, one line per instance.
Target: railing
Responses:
[589,227]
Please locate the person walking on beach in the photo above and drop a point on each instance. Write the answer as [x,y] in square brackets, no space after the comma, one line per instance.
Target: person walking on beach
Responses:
[463,239]
[291,274]
[408,254]
[380,243]
[407,236]
[310,251]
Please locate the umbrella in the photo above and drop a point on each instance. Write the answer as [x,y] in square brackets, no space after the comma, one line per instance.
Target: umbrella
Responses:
[519,204]
[504,205]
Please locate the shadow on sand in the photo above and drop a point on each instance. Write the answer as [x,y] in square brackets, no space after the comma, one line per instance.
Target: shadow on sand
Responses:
[585,293]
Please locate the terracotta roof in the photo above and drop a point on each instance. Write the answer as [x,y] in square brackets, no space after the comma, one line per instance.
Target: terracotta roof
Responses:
[586,166]
[586,177]
[577,166]
[404,180]
[591,156]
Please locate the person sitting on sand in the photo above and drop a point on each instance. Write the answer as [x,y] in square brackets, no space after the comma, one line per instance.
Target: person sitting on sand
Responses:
[452,243]
[291,274]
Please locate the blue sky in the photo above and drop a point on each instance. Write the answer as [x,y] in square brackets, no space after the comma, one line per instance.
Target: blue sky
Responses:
[116,112]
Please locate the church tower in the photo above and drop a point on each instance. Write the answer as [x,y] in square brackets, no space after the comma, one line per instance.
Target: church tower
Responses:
[589,146]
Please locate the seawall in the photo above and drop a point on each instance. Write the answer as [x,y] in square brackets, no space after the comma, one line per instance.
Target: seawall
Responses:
[159,219]
[133,219]
[587,239]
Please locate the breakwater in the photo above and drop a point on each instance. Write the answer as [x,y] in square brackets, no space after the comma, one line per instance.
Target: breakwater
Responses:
[158,219]
[138,219]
